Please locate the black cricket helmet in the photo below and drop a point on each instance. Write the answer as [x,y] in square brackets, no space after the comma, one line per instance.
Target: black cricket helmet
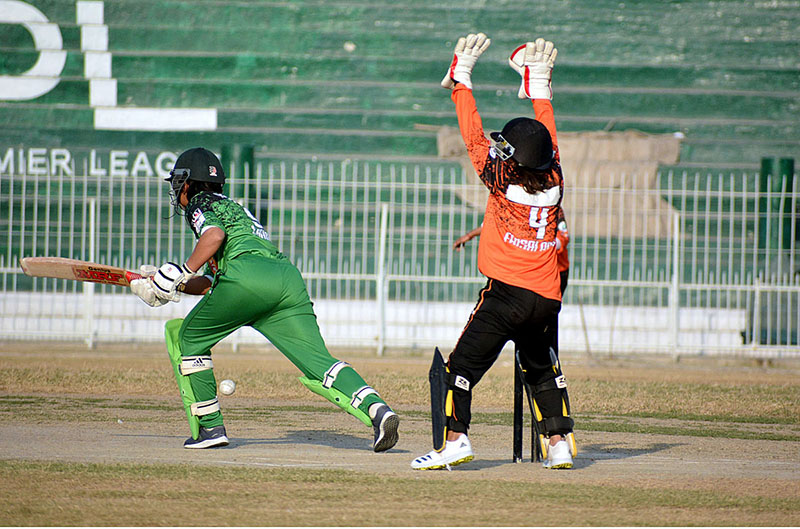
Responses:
[527,141]
[197,164]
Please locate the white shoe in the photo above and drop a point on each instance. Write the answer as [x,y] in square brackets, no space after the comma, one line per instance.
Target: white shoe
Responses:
[454,453]
[559,456]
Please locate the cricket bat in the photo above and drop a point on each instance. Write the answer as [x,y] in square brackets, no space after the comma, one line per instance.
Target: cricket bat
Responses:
[63,268]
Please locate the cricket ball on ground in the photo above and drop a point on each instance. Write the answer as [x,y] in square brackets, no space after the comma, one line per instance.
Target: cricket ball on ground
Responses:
[227,387]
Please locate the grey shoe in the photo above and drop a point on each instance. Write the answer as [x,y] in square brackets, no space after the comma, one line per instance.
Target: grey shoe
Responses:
[208,438]
[385,426]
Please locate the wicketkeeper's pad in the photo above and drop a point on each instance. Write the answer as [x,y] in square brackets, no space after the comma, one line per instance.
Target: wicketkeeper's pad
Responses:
[542,426]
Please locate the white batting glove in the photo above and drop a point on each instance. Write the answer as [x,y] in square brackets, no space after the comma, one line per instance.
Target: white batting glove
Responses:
[169,277]
[534,62]
[144,289]
[147,270]
[467,51]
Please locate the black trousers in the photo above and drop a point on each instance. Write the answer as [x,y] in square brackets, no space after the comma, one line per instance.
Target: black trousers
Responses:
[503,313]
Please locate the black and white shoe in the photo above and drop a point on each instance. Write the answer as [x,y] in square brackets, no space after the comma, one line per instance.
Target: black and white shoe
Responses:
[208,438]
[385,425]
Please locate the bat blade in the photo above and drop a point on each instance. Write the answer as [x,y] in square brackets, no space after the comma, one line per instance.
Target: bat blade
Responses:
[63,268]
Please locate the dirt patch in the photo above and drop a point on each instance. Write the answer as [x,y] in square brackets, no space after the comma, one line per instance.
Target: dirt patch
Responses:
[296,434]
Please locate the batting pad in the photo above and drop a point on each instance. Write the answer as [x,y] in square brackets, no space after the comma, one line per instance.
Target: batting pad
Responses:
[337,397]
[171,329]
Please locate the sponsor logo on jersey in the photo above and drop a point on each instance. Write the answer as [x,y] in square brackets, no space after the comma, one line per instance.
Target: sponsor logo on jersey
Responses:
[198,219]
[527,244]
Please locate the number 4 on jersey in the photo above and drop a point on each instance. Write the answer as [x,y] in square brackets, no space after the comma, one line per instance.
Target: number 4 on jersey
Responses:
[538,220]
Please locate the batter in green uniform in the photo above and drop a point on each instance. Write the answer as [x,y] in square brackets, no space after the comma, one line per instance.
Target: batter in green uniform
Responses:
[247,282]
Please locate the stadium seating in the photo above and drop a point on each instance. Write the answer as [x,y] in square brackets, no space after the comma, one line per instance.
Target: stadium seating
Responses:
[339,78]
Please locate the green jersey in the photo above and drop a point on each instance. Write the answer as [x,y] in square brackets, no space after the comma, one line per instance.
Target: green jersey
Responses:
[244,234]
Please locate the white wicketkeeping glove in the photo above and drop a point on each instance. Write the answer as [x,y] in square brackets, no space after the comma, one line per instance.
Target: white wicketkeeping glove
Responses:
[144,289]
[467,51]
[534,62]
[169,277]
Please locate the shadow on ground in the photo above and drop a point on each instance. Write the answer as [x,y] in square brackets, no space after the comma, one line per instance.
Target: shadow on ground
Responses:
[316,437]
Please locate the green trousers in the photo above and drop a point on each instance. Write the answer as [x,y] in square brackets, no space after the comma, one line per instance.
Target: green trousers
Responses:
[270,296]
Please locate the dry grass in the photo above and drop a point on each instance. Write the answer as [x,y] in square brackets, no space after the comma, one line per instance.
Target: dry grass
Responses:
[175,495]
[716,399]
[658,389]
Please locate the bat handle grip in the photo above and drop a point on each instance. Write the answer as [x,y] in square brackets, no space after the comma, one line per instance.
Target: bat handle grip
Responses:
[130,276]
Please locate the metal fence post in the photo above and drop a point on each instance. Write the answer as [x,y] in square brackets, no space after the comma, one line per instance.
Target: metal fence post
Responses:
[675,294]
[88,287]
[380,287]
[756,312]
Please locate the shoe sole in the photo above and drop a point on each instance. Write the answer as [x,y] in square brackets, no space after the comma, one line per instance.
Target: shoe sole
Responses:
[455,463]
[560,466]
[390,435]
[209,443]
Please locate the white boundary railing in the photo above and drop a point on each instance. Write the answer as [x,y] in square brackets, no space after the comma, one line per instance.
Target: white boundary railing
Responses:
[704,264]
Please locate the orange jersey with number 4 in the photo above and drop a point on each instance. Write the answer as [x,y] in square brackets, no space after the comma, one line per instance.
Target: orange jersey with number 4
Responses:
[518,240]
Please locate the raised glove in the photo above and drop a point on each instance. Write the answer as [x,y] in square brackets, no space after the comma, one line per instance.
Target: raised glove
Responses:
[169,277]
[534,62]
[467,51]
[144,289]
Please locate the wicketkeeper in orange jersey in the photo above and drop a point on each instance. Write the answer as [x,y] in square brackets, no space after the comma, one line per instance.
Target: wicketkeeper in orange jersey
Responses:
[517,253]
[562,253]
